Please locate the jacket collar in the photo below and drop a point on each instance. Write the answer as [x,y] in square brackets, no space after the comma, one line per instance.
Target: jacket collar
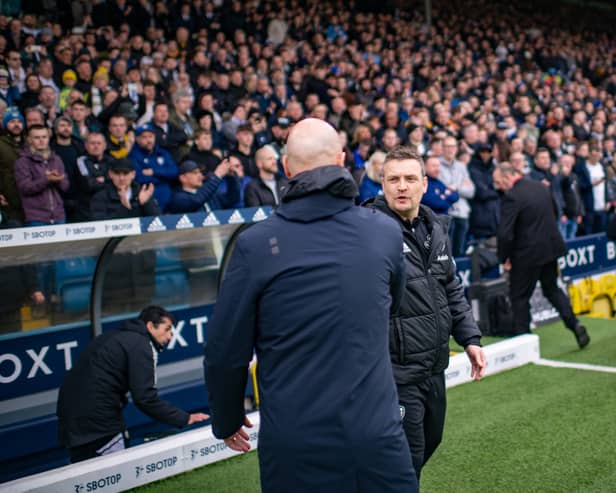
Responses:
[138,326]
[425,213]
[317,194]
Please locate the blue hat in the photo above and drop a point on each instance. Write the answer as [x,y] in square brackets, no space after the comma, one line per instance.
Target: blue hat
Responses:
[144,128]
[187,167]
[12,113]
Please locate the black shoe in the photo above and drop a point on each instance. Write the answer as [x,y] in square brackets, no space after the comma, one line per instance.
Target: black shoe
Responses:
[581,335]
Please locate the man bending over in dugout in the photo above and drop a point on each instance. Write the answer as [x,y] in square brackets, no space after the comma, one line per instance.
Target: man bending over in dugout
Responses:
[95,391]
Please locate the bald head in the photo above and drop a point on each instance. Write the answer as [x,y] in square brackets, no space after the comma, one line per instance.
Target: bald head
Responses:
[312,143]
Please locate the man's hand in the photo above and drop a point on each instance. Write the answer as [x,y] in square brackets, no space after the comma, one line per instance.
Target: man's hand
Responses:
[240,441]
[3,201]
[197,418]
[130,140]
[222,169]
[124,198]
[146,193]
[478,361]
[54,176]
[507,265]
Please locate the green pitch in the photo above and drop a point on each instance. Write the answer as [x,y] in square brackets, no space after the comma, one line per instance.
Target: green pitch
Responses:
[532,429]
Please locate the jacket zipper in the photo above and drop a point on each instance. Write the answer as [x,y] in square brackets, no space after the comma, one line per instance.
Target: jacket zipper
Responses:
[428,274]
[50,194]
[398,332]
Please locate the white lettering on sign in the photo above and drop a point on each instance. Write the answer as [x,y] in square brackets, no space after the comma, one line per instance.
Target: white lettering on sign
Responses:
[16,368]
[199,322]
[38,361]
[177,336]
[611,250]
[576,257]
[66,347]
[465,277]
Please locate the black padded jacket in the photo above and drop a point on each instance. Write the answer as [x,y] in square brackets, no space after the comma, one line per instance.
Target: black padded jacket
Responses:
[433,307]
[95,390]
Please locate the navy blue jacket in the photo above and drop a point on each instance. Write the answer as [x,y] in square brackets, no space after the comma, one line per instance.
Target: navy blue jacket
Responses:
[586,186]
[368,188]
[165,171]
[311,291]
[183,201]
[436,198]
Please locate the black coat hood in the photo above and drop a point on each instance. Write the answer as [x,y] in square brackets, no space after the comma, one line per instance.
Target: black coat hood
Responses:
[324,191]
[138,326]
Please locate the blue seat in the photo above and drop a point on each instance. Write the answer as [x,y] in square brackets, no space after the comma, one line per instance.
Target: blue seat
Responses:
[73,280]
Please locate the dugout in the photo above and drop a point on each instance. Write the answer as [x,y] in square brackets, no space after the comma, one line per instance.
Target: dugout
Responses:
[93,277]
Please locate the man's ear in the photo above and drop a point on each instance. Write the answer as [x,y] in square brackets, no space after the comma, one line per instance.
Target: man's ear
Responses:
[425,184]
[150,326]
[285,167]
[340,159]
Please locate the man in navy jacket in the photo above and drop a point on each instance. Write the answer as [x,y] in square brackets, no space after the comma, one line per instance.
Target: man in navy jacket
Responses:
[311,291]
[195,193]
[154,165]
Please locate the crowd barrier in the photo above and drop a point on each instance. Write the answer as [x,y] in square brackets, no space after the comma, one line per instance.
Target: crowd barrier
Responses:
[182,453]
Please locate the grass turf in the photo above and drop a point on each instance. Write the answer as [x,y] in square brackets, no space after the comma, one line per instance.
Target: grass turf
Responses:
[532,429]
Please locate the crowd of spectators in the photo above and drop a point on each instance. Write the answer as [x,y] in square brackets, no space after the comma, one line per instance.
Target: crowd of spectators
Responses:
[136,107]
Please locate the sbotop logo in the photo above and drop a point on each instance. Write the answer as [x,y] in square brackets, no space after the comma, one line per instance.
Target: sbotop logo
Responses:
[153,467]
[98,484]
[215,448]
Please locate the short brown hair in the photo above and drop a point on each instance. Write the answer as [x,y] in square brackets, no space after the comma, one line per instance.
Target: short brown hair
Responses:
[403,153]
[201,131]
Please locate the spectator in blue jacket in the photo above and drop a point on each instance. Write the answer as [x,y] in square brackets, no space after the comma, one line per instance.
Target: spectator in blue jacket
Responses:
[196,193]
[153,165]
[437,196]
[8,93]
[592,177]
[238,171]
[370,184]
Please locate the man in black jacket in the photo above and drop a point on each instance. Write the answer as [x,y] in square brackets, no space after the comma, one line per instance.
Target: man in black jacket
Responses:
[483,221]
[122,198]
[92,171]
[95,390]
[265,189]
[69,148]
[433,306]
[529,245]
[168,136]
[329,415]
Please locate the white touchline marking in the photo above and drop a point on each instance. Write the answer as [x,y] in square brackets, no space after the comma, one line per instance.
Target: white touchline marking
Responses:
[577,366]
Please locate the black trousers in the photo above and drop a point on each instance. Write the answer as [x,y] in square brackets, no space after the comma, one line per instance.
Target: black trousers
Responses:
[90,450]
[523,279]
[424,405]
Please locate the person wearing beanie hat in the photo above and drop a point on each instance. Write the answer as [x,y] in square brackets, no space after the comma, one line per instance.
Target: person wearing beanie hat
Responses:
[69,79]
[11,141]
[100,85]
[12,113]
